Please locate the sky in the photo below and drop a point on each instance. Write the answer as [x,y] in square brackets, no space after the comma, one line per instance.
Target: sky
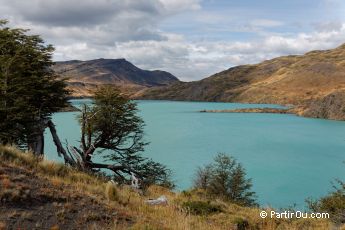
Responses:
[191,39]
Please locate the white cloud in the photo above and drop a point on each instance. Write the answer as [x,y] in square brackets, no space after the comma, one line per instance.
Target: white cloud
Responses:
[130,29]
[180,5]
[191,61]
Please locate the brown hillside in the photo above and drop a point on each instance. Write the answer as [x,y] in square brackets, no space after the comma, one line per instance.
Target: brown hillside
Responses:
[37,194]
[298,80]
[85,76]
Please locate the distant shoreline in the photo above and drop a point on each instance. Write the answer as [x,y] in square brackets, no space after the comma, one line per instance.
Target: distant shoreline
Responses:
[69,108]
[250,110]
[79,97]
[317,110]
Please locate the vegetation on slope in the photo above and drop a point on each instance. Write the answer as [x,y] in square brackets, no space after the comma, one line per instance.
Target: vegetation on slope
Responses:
[292,80]
[333,203]
[29,90]
[111,128]
[226,178]
[46,195]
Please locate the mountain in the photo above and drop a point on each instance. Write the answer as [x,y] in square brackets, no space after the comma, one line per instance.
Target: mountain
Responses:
[84,76]
[314,83]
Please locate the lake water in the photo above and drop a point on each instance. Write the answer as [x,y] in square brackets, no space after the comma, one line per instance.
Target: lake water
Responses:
[289,158]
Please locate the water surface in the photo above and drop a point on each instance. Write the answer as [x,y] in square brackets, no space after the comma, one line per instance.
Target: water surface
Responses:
[289,158]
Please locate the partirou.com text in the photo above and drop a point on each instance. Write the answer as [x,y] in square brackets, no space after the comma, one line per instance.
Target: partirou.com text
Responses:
[293,214]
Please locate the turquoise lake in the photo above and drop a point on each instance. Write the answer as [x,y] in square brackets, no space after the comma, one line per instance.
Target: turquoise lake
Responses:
[289,158]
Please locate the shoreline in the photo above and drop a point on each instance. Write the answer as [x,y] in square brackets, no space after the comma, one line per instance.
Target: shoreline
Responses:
[250,110]
[316,110]
[69,108]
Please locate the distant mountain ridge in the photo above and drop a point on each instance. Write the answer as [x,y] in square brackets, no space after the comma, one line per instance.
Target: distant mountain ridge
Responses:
[314,83]
[84,76]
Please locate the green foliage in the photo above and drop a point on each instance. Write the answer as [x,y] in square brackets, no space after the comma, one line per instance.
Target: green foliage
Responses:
[111,128]
[29,90]
[154,173]
[333,203]
[201,207]
[112,119]
[225,178]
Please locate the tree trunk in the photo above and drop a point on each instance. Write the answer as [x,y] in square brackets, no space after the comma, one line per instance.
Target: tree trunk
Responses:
[60,149]
[37,144]
[36,139]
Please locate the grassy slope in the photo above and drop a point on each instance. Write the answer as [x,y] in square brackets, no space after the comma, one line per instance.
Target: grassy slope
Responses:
[46,195]
[297,80]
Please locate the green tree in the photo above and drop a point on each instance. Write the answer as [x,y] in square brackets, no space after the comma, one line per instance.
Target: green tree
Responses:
[112,129]
[29,90]
[226,178]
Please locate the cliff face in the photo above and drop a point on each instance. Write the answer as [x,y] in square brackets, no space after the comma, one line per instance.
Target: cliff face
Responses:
[308,81]
[331,106]
[85,76]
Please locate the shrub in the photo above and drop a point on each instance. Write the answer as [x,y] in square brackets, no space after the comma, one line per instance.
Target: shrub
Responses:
[225,178]
[201,207]
[333,203]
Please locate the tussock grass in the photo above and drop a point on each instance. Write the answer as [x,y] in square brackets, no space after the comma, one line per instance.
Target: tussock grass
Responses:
[174,215]
[111,192]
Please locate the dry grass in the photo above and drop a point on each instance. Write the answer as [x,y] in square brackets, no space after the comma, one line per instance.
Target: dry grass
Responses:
[111,192]
[143,216]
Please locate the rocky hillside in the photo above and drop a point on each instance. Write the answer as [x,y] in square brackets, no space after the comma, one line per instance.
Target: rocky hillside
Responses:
[84,76]
[314,83]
